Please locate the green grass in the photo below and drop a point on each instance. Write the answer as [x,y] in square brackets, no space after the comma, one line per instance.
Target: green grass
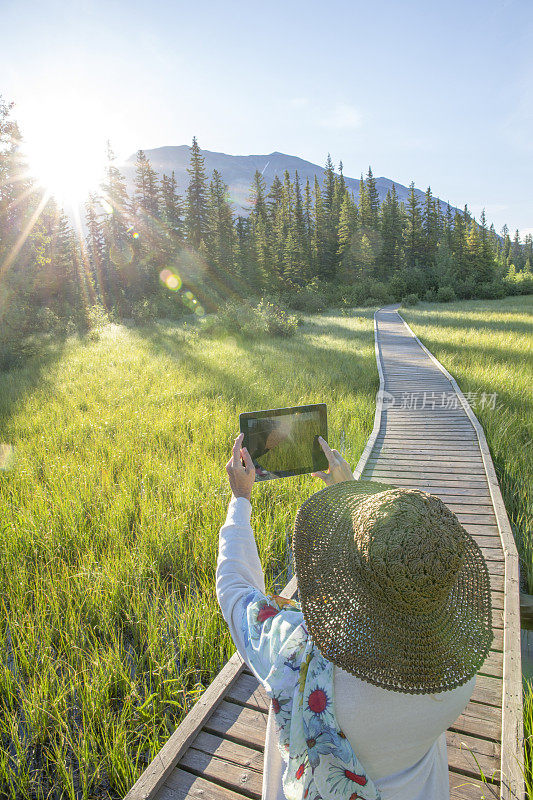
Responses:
[487,347]
[109,513]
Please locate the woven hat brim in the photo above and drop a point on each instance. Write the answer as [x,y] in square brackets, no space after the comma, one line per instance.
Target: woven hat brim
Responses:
[360,632]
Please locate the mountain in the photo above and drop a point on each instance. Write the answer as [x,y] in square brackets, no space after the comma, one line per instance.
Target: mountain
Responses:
[238,172]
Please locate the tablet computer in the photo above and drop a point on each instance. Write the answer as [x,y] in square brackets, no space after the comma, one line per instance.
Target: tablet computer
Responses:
[284,441]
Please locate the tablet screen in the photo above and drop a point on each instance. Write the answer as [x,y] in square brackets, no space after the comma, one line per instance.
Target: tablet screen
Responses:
[284,441]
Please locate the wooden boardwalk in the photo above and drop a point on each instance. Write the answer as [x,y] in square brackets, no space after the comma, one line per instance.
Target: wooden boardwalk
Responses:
[425,435]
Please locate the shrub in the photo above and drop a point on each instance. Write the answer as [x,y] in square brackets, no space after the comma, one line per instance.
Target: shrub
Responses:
[144,312]
[430,296]
[445,294]
[491,290]
[410,299]
[372,301]
[307,299]
[266,318]
[46,321]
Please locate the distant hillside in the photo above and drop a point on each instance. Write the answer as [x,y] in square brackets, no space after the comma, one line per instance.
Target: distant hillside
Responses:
[238,172]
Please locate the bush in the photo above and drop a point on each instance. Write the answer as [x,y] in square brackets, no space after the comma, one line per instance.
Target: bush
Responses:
[46,321]
[410,299]
[430,296]
[280,322]
[307,299]
[492,290]
[144,312]
[445,294]
[264,319]
[372,301]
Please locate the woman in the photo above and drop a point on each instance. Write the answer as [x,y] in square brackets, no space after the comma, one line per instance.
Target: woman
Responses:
[380,658]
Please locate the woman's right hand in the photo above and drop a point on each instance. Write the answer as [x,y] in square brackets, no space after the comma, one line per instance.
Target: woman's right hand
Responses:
[339,470]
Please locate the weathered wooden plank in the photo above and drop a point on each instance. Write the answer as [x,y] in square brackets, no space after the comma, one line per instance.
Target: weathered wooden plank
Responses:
[466,752]
[463,787]
[184,784]
[229,751]
[225,773]
[432,465]
[238,723]
[488,690]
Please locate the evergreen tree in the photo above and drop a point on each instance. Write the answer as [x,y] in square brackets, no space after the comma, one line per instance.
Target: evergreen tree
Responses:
[95,248]
[485,271]
[148,245]
[327,264]
[516,252]
[116,228]
[348,266]
[257,197]
[275,196]
[430,229]
[196,223]
[318,231]
[413,234]
[392,235]
[172,209]
[373,201]
[297,268]
[221,232]
[365,212]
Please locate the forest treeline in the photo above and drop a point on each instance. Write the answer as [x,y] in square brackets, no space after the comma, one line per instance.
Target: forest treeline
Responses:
[152,252]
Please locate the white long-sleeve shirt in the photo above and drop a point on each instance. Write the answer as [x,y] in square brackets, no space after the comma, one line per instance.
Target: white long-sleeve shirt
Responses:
[399,738]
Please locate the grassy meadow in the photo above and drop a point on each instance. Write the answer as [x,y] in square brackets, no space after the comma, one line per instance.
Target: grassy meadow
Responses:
[112,492]
[487,347]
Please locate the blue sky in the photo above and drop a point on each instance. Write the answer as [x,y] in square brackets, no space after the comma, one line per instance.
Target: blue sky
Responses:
[439,93]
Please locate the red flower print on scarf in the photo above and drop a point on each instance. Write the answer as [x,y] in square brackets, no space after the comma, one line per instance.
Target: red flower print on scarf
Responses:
[317,701]
[360,779]
[266,612]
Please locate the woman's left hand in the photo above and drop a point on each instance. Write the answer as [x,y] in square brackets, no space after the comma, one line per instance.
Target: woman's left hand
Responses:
[241,478]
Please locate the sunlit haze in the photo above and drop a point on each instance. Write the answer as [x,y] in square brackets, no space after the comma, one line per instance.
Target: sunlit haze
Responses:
[440,94]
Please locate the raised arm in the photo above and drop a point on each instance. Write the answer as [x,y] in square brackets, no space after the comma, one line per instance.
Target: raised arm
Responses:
[238,566]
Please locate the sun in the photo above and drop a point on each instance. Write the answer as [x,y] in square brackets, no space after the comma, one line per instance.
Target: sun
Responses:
[66,153]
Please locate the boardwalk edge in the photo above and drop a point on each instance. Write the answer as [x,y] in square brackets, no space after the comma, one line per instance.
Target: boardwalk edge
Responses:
[512,762]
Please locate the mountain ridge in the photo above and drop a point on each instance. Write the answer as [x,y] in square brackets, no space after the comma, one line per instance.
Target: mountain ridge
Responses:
[238,170]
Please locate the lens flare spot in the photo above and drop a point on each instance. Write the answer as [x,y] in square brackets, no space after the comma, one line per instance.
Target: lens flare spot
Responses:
[7,456]
[199,311]
[189,295]
[171,279]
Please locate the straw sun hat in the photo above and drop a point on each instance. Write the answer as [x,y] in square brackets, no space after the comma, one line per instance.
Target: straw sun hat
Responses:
[392,587]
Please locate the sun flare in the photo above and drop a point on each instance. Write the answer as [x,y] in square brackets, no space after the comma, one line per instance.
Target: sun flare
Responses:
[66,154]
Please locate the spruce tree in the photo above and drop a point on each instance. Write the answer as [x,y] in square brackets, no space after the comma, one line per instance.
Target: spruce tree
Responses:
[196,223]
[221,232]
[172,209]
[328,262]
[365,213]
[390,260]
[117,230]
[430,229]
[413,234]
[347,228]
[373,201]
[96,249]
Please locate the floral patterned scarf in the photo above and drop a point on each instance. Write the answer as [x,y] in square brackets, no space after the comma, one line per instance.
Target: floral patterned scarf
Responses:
[299,681]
